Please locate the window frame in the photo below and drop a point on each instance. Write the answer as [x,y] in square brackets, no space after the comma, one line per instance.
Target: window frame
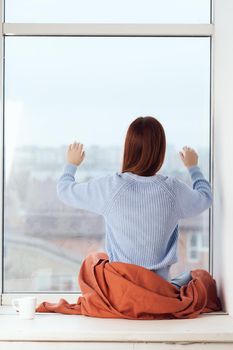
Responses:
[96,30]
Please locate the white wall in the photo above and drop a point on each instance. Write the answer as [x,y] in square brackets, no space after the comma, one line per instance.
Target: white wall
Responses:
[223,149]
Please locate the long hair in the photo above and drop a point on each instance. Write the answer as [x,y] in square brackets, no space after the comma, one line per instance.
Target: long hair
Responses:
[145,147]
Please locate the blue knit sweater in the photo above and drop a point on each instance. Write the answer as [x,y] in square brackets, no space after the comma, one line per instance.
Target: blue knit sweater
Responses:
[141,213]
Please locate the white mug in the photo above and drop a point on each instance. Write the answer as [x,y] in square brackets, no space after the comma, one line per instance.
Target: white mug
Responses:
[26,307]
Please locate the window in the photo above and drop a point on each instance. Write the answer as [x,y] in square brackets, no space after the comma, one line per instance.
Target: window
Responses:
[108,11]
[61,88]
[194,247]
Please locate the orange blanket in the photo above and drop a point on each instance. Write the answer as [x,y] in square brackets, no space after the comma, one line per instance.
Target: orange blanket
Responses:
[120,290]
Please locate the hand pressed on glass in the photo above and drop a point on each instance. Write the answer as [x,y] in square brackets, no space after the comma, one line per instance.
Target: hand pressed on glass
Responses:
[75,153]
[189,156]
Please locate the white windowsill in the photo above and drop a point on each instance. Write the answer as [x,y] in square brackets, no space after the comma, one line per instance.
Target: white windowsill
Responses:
[66,328]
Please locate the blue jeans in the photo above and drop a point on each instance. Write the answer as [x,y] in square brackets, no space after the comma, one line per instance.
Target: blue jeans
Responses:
[182,279]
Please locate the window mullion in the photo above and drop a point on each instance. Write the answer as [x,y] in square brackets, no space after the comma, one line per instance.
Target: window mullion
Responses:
[99,29]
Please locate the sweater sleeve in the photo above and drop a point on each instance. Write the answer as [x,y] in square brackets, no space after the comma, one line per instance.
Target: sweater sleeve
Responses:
[91,195]
[193,201]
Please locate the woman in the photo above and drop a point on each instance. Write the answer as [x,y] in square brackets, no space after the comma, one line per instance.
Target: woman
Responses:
[141,207]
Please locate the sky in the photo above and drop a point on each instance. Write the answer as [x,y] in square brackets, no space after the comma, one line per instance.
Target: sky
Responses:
[90,89]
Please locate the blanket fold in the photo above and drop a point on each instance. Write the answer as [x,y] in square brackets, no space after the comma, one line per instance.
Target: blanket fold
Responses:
[121,290]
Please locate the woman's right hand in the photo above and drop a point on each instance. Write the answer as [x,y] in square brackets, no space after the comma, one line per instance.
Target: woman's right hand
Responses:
[189,156]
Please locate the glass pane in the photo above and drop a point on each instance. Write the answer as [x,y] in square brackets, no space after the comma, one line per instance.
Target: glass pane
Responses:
[112,11]
[61,89]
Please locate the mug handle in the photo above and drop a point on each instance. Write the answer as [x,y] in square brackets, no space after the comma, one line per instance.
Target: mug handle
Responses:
[15,304]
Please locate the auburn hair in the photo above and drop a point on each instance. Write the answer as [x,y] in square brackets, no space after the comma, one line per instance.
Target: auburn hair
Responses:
[145,147]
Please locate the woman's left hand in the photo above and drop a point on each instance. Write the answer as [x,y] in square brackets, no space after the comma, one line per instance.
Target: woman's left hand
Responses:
[75,153]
